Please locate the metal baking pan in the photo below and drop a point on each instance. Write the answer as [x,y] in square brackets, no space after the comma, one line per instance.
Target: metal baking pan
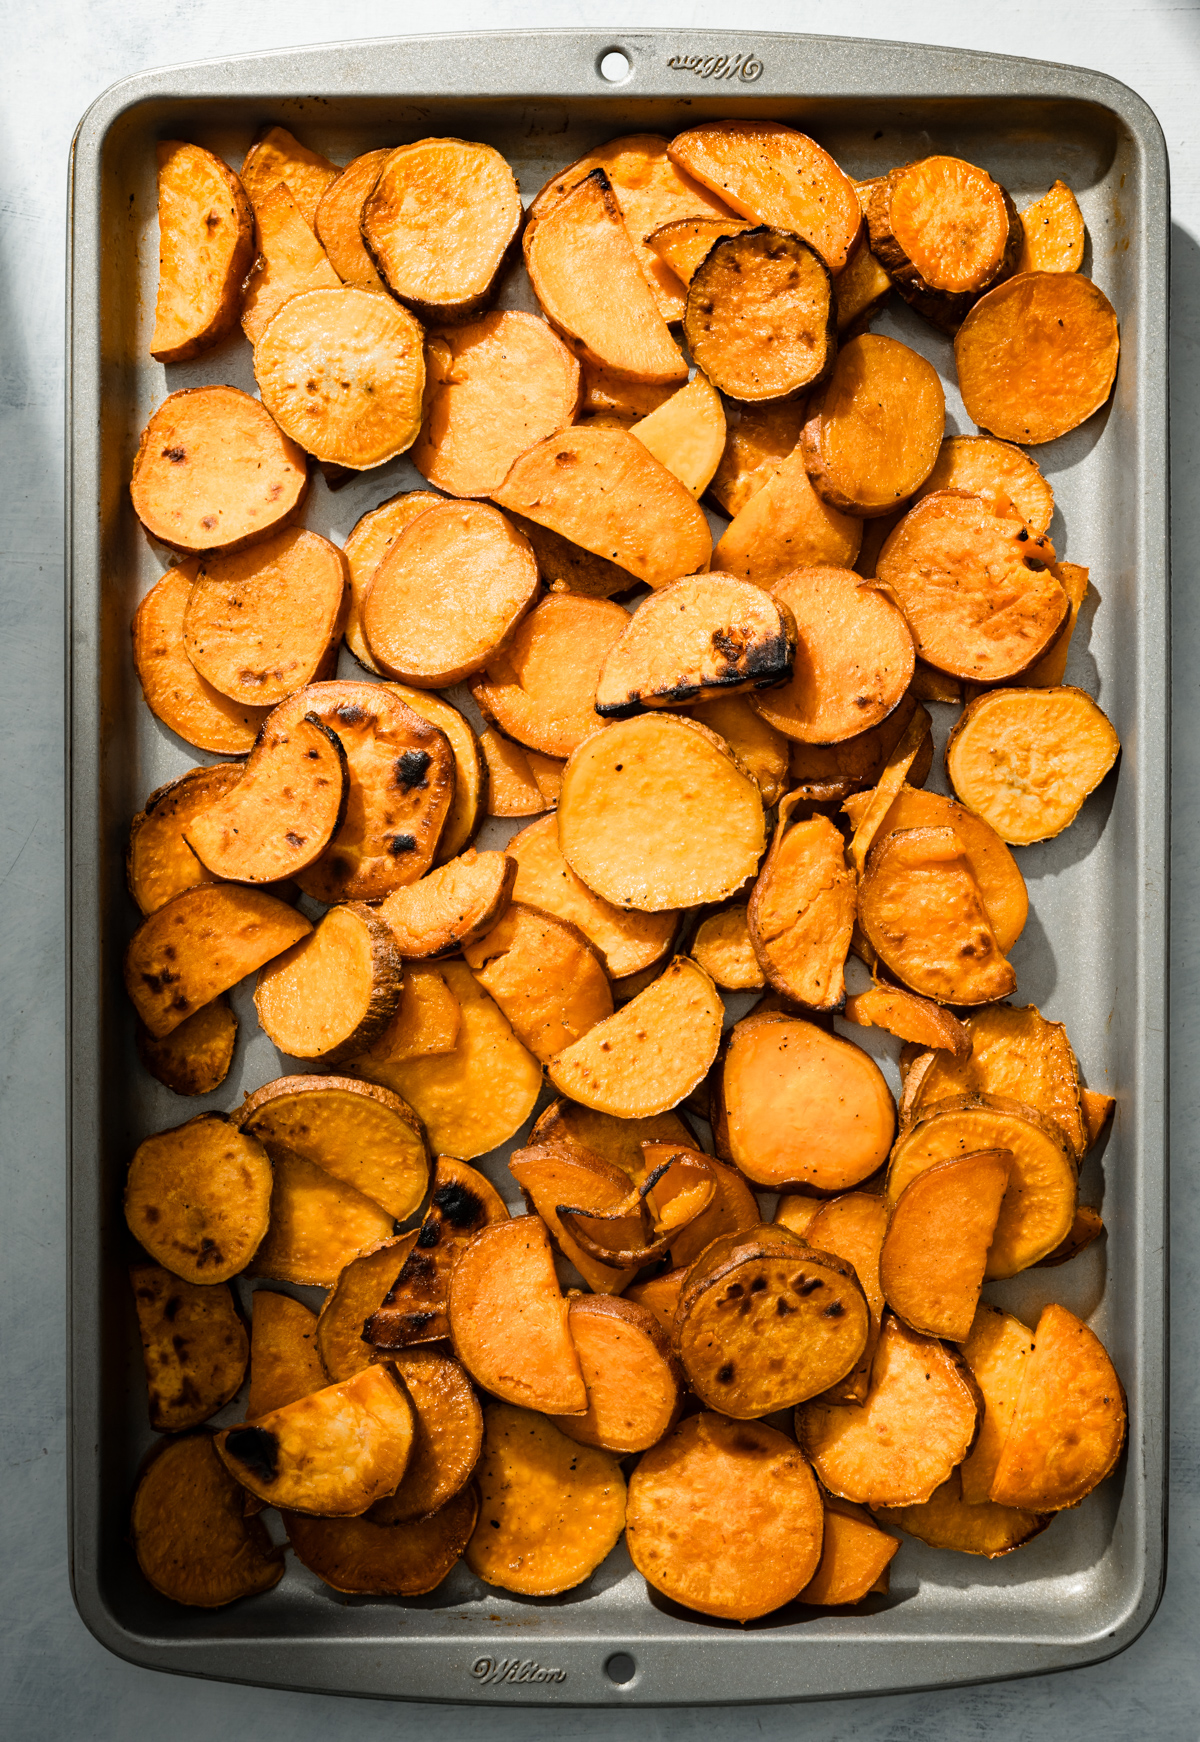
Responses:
[1094,953]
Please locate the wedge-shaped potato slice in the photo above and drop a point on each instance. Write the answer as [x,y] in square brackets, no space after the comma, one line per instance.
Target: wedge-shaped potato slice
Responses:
[687,433]
[684,243]
[493,388]
[860,292]
[827,771]
[175,692]
[508,1319]
[284,1363]
[917,1424]
[725,1517]
[617,399]
[643,1225]
[755,743]
[567,1125]
[660,1296]
[1025,760]
[1068,1427]
[723,949]
[261,623]
[551,1174]
[627,941]
[546,977]
[214,471]
[773,174]
[1055,329]
[318,1224]
[1051,668]
[447,1443]
[982,466]
[1086,1228]
[438,225]
[997,1352]
[198,1197]
[656,813]
[785,526]
[1039,1205]
[290,260]
[452,906]
[652,1053]
[946,1520]
[803,1107]
[551,1509]
[934,1254]
[876,437]
[852,1227]
[331,1453]
[945,231]
[194,1059]
[361,1289]
[540,687]
[758,438]
[856,1558]
[634,1384]
[760,318]
[205,248]
[469,804]
[282,814]
[338,221]
[521,783]
[278,156]
[402,782]
[427,1018]
[797,1211]
[801,912]
[474,1098]
[909,1018]
[568,568]
[363,1558]
[1054,233]
[764,1322]
[733,1208]
[371,537]
[192,1541]
[194,1347]
[1013,1052]
[896,770]
[414,1307]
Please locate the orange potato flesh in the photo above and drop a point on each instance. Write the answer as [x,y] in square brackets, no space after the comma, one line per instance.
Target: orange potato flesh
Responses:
[364,550]
[896,770]
[427,1018]
[796,1212]
[760,318]
[191,1538]
[567,568]
[1037,356]
[1087,1227]
[634,1387]
[521,783]
[550,1175]
[1051,668]
[448,1439]
[206,245]
[725,1518]
[1025,760]
[755,743]
[384,1560]
[682,244]
[469,804]
[855,1556]
[279,157]
[852,1227]
[335,991]
[451,906]
[540,687]
[945,1520]
[687,433]
[785,526]
[619,399]
[493,388]
[801,912]
[859,762]
[734,1208]
[545,976]
[860,290]
[950,220]
[982,466]
[290,260]
[318,1224]
[160,865]
[935,1251]
[909,1018]
[194,1059]
[508,1319]
[659,1296]
[567,1125]
[283,812]
[997,1351]
[757,441]
[1054,232]
[877,434]
[174,690]
[284,1363]
[1017,1053]
[194,1347]
[723,949]
[359,1292]
[338,221]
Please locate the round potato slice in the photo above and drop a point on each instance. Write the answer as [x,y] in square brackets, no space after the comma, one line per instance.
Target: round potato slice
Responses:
[338,221]
[540,687]
[448,1440]
[982,466]
[192,1539]
[367,1559]
[760,318]
[198,1198]
[876,437]
[634,1384]
[159,864]
[194,1059]
[942,224]
[332,994]
[174,691]
[371,536]
[282,813]
[945,1520]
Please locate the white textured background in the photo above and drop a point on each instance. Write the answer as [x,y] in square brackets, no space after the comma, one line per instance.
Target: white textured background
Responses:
[55,1681]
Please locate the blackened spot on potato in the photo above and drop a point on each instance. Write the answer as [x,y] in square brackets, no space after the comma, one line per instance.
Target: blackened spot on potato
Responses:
[458,1203]
[806,1284]
[431,1232]
[175,455]
[257,1448]
[757,1286]
[1022,536]
[156,982]
[150,1214]
[402,844]
[209,1253]
[411,769]
[313,755]
[179,1344]
[769,658]
[417,1268]
[293,839]
[172,1306]
[725,1374]
[208,522]
[350,714]
[834,1310]
[730,644]
[782,1309]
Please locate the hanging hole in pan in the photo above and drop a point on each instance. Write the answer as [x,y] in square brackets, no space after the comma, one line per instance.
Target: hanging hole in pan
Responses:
[620,1668]
[615,66]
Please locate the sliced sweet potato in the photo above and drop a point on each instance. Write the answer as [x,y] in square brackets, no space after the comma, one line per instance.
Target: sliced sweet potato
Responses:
[1037,356]
[675,1194]
[945,231]
[447,1442]
[869,821]
[278,156]
[214,471]
[660,1296]
[194,1347]
[372,536]
[785,526]
[935,1251]
[342,371]
[1068,1427]
[1025,760]
[540,687]
[469,804]
[946,1520]
[521,783]
[997,1351]
[803,1107]
[733,1209]
[801,912]
[722,947]
[929,685]
[1086,1228]
[634,1384]
[860,291]
[362,1558]
[852,1227]
[1054,233]
[546,977]
[451,906]
[655,813]
[687,433]
[427,1018]
[338,221]
[1051,668]
[194,1059]
[618,399]
[567,1125]
[606,492]
[198,1198]
[414,1307]
[493,388]
[910,1018]
[724,1517]
[508,1319]
[549,1175]
[568,568]
[192,1541]
[876,436]
[282,813]
[439,223]
[797,1211]
[982,466]
[205,247]
[174,690]
[290,260]
[757,745]
[855,1558]
[773,174]
[760,319]
[318,1224]
[758,438]
[284,1363]
[683,244]
[1039,1205]
[858,762]
[360,1291]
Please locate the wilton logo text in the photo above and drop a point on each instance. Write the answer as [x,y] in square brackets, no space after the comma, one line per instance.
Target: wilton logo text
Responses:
[718,66]
[490,1670]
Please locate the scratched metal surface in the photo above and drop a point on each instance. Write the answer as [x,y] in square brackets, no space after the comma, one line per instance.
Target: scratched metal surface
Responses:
[1088,1587]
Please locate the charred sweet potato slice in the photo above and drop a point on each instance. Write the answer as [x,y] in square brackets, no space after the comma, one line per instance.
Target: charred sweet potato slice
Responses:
[785,526]
[634,1385]
[1054,233]
[540,687]
[549,1175]
[722,947]
[278,156]
[451,906]
[546,977]
[725,1517]
[946,1520]
[159,864]
[935,1251]
[371,537]
[334,992]
[194,1059]
[214,471]
[943,225]
[290,260]
[997,1351]
[194,1347]
[758,438]
[192,1541]
[282,813]
[413,1309]
[521,783]
[856,1557]
[469,804]
[1051,668]
[760,318]
[676,1192]
[1068,1427]
[360,1291]
[173,689]
[1025,760]
[801,912]
[508,1319]
[683,244]
[687,433]
[567,1125]
[1013,1052]
[852,1227]
[876,437]
[1037,356]
[284,1363]
[439,223]
[804,1107]
[982,466]
[342,371]
[908,1017]
[198,1198]
[205,248]
[363,1558]
[318,1224]
[338,221]
[427,1018]
[447,1442]
[1086,1228]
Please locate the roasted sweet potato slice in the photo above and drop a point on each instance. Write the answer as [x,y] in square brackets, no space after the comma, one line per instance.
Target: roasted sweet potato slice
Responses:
[722,947]
[1051,668]
[1026,759]
[567,1124]
[797,1211]
[363,1558]
[361,1289]
[338,221]
[448,1439]
[521,783]
[318,1224]
[683,244]
[803,1107]
[402,782]
[282,813]
[758,438]
[1086,1228]
[655,813]
[438,225]
[841,769]
[278,156]
[290,260]
[678,1189]
[606,492]
[943,226]
[427,1018]
[773,174]
[452,906]
[1068,1427]
[414,1307]
[785,526]
[469,804]
[876,435]
[932,1262]
[634,1385]
[982,466]
[687,433]
[1054,233]
[801,913]
[1039,1205]
[725,1517]
[550,1174]
[205,247]
[946,1520]
[192,1541]
[617,398]
[568,568]
[659,1296]
[342,371]
[908,1017]
[546,977]
[159,863]
[370,539]
[174,690]
[508,1319]
[540,687]
[214,471]
[855,1558]
[860,291]
[194,1059]
[284,1363]
[1013,1052]
[194,1347]
[997,1351]
[198,1196]
[733,1209]
[760,318]
[852,1227]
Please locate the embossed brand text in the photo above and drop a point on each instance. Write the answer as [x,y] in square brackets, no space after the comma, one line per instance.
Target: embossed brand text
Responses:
[718,66]
[490,1670]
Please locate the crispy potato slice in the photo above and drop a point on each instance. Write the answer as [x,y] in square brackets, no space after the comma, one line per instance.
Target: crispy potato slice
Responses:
[474,1098]
[338,221]
[371,537]
[278,156]
[909,1018]
[568,568]
[1026,759]
[214,471]
[722,947]
[261,623]
[342,371]
[852,1227]
[360,1291]
[1039,1205]
[945,1520]
[427,1018]
[567,1125]
[785,526]
[521,783]
[801,913]
[546,977]
[687,433]
[508,1319]
[550,1509]
[192,1541]
[1051,668]
[290,260]
[336,991]
[982,466]
[1086,1228]
[194,1347]
[439,223]
[634,1384]
[402,782]
[414,1307]
[540,687]
[447,1443]
[858,762]
[1017,1053]
[655,813]
[945,231]
[896,770]
[451,906]
[493,389]
[1037,356]
[174,691]
[803,1107]
[997,1351]
[363,1558]
[318,1224]
[194,1059]
[252,832]
[876,437]
[652,1053]
[773,174]
[205,248]
[856,1557]
[1054,233]
[642,1226]
[684,243]
[757,745]
[733,1209]
[284,1363]
[758,439]
[724,1517]
[198,1197]
[660,1296]
[760,318]
[860,291]
[935,1251]
[553,1177]
[469,804]
[605,491]
[1068,1427]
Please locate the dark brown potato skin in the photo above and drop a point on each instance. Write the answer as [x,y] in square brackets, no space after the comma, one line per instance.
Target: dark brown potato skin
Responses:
[945,309]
